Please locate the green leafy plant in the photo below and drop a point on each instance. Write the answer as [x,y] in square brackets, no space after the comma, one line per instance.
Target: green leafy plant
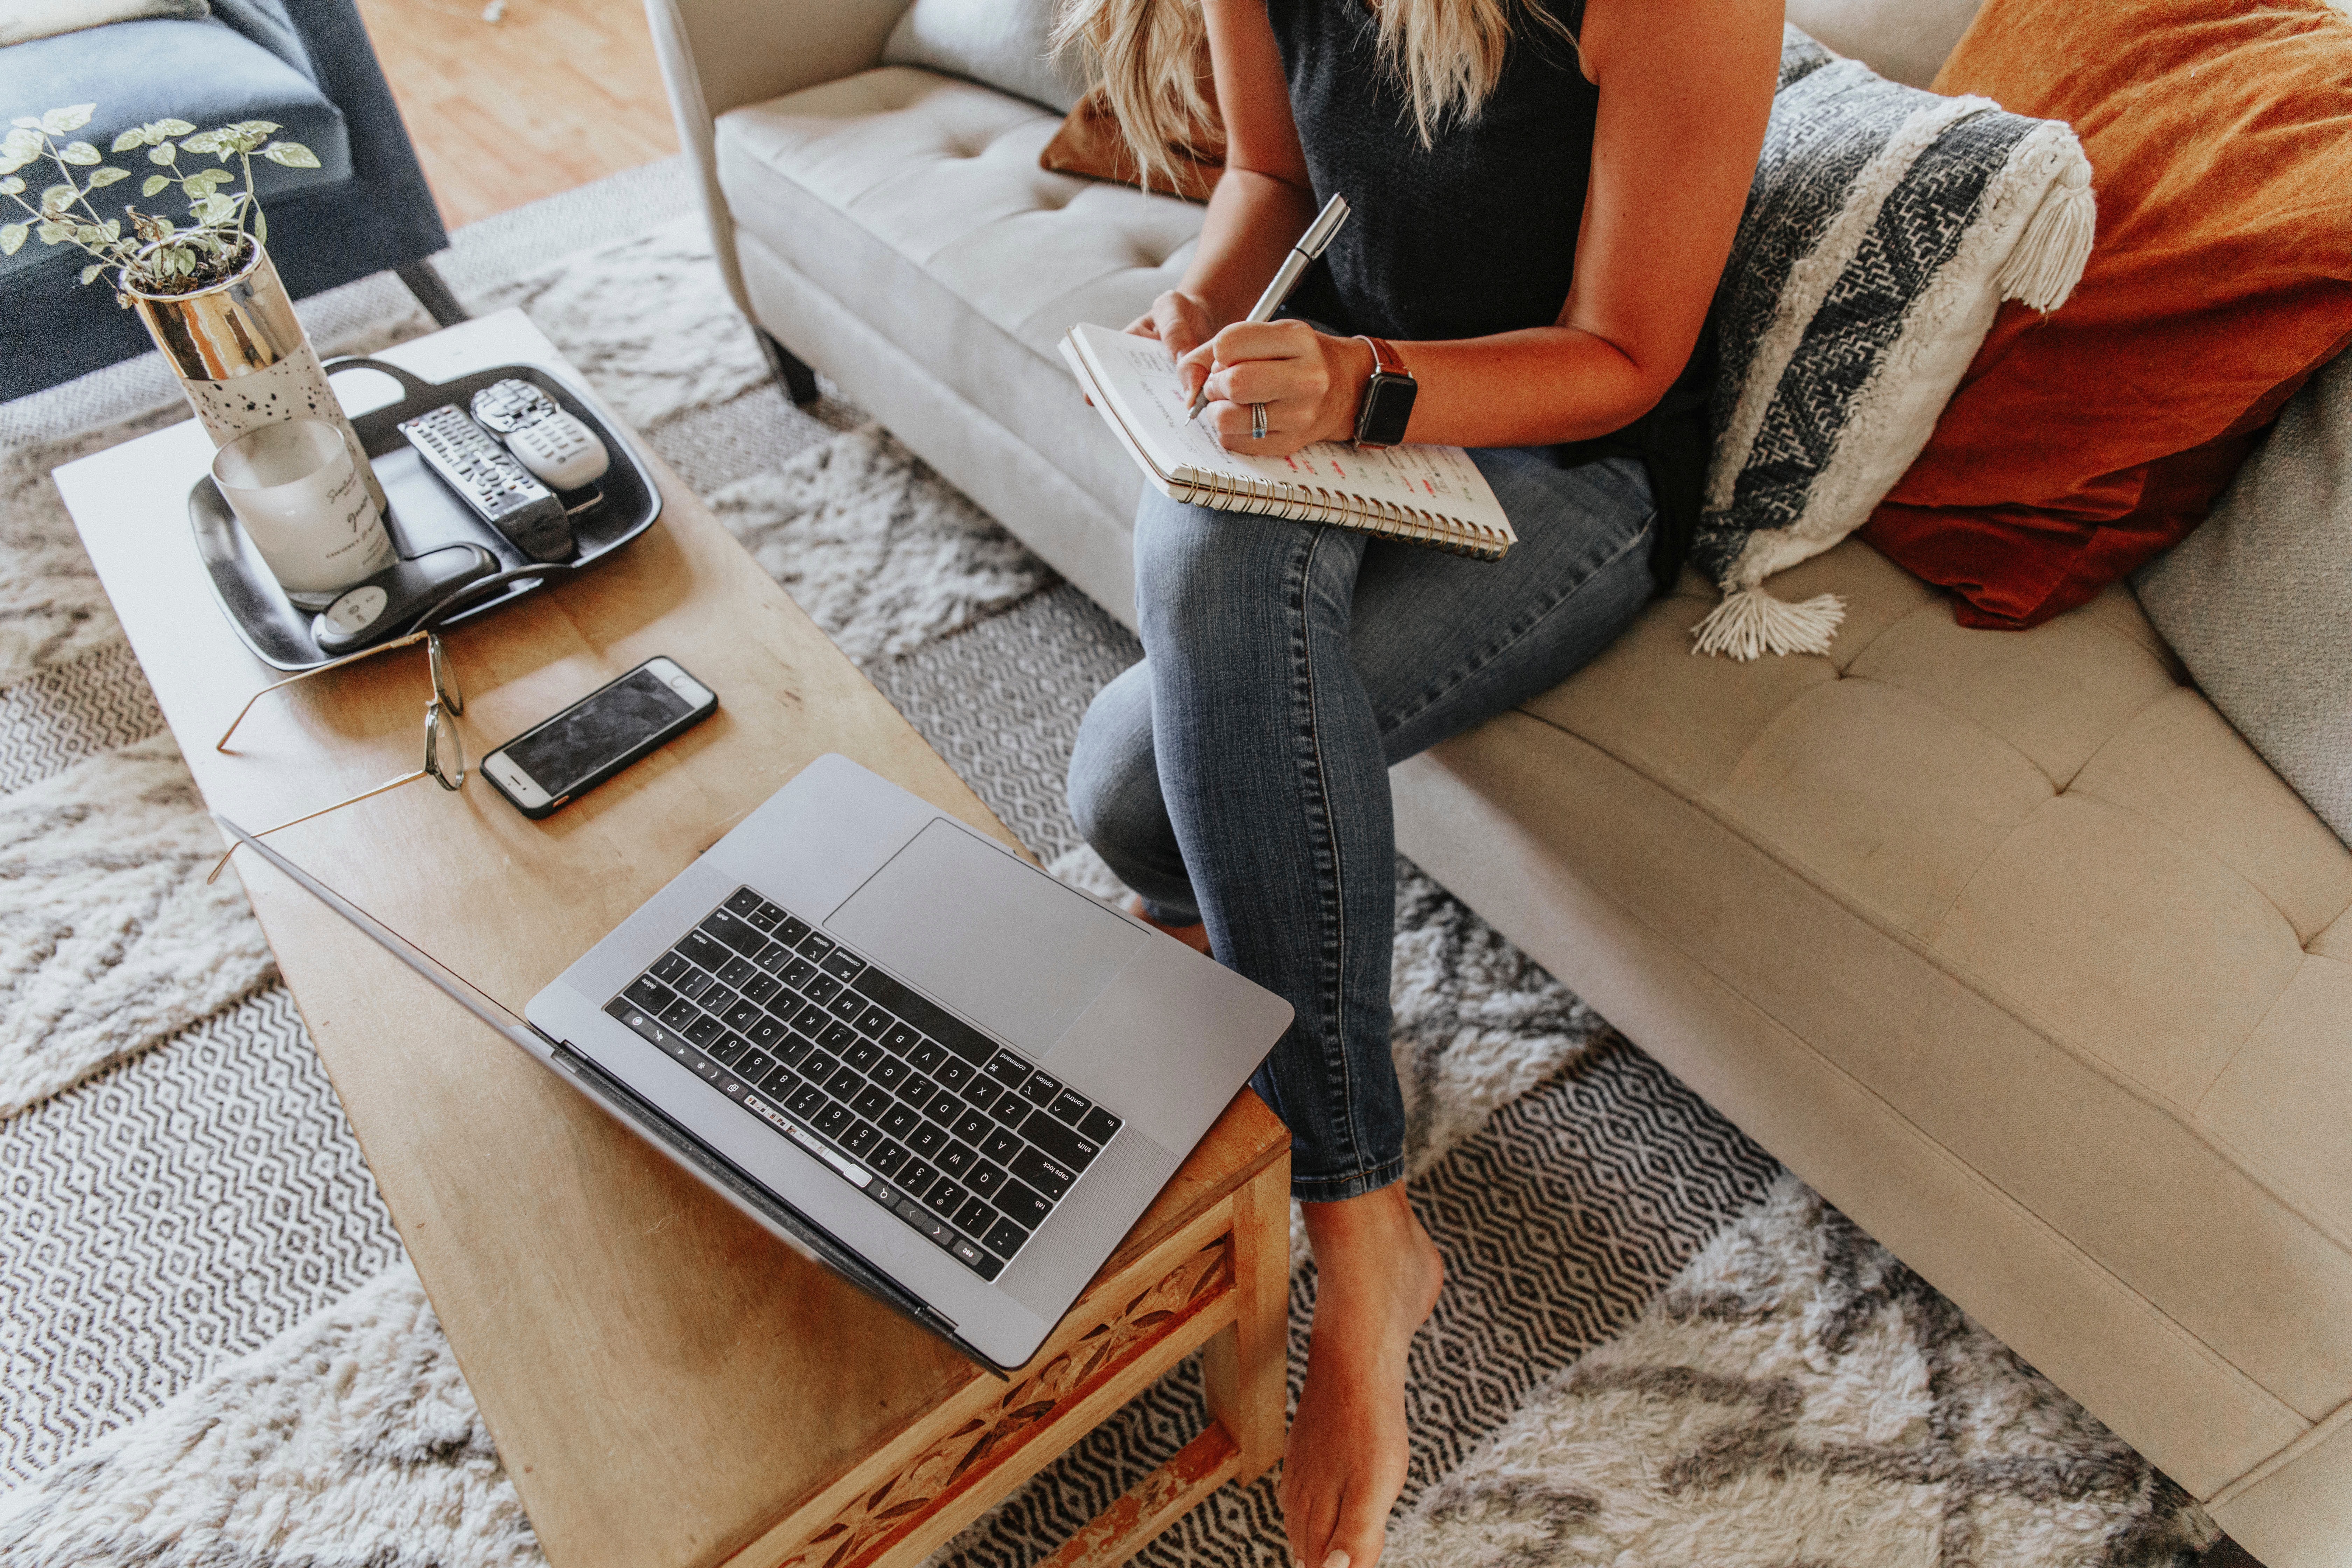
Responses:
[157,255]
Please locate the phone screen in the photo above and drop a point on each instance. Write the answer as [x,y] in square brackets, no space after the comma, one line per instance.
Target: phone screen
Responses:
[570,746]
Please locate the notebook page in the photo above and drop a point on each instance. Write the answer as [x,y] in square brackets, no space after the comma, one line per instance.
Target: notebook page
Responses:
[1140,377]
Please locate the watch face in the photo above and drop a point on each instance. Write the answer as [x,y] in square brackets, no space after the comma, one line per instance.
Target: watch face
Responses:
[1388,407]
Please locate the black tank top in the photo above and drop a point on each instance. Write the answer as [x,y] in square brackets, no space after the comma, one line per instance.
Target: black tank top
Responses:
[1477,233]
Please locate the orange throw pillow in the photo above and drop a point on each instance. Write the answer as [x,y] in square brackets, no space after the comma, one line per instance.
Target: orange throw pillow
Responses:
[1089,143]
[2082,444]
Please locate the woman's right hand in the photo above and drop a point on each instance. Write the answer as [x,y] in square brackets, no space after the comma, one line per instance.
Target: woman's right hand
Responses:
[1183,323]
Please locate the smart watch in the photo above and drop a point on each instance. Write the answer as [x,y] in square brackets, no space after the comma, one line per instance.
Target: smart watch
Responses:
[1388,398]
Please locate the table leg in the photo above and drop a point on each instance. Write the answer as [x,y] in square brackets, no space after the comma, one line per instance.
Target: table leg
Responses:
[1246,1367]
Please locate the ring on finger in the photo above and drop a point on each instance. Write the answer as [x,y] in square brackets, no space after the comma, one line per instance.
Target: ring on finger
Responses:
[1257,421]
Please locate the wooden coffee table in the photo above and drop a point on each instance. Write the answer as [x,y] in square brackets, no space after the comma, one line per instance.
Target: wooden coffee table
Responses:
[665,1383]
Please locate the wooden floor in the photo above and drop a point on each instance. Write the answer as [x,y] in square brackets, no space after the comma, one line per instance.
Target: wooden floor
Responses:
[557,94]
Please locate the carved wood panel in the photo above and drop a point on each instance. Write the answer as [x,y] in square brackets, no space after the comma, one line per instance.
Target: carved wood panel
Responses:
[868,1526]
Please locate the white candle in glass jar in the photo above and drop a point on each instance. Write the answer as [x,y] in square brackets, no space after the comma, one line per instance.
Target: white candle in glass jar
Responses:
[305,505]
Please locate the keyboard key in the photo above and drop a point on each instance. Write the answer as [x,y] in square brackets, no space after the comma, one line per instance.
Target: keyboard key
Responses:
[874,1022]
[698,986]
[816,945]
[679,1012]
[956,1158]
[1010,1109]
[1004,1238]
[1041,1174]
[927,1054]
[930,1225]
[844,1084]
[737,970]
[766,918]
[781,1084]
[915,1177]
[897,1119]
[985,1178]
[744,1013]
[751,1065]
[767,1034]
[933,1020]
[744,902]
[887,1158]
[862,1054]
[902,1038]
[844,1007]
[972,1127]
[806,1100]
[1001,1145]
[792,931]
[786,1004]
[833,1120]
[861,1138]
[704,1030]
[945,1109]
[793,1050]
[1064,1143]
[703,949]
[670,966]
[955,1072]
[982,1092]
[821,988]
[975,1218]
[799,971]
[1041,1089]
[1100,1124]
[762,988]
[730,1048]
[1007,1069]
[886,1195]
[811,1020]
[968,1255]
[842,965]
[649,993]
[945,1198]
[776,958]
[889,1072]
[1070,1107]
[819,1066]
[1024,1206]
[919,1091]
[926,1139]
[837,1038]
[735,932]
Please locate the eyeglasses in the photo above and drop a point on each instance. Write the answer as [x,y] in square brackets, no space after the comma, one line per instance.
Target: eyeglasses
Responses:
[441,743]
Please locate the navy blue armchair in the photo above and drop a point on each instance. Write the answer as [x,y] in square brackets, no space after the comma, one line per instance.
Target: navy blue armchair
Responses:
[306,64]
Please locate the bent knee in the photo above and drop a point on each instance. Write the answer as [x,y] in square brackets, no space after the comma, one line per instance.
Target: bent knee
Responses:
[1208,580]
[1114,780]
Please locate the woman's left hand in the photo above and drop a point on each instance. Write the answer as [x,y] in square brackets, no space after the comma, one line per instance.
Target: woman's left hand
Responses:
[1309,382]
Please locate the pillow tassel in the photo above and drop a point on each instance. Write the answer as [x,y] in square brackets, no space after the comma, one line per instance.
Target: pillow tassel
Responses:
[2048,261]
[1750,622]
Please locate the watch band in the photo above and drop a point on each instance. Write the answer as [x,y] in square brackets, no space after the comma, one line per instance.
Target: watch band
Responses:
[1387,399]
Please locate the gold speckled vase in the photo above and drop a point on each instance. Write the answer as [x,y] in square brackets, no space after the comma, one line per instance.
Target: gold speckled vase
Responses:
[242,358]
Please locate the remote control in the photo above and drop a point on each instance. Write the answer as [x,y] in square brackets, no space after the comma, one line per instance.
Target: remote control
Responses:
[491,481]
[559,449]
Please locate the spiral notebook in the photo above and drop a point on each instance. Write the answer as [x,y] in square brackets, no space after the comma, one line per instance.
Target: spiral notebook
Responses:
[1421,495]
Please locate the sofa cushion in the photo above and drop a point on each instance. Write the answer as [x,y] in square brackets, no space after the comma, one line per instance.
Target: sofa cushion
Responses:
[203,72]
[1003,44]
[2077,844]
[916,201]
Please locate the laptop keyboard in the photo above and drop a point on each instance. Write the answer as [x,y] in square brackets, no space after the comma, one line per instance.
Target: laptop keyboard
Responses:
[961,1139]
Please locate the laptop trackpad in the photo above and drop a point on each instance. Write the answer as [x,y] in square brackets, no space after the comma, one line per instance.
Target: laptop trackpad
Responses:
[1006,945]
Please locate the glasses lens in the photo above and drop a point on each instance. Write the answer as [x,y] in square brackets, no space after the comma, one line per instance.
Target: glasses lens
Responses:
[445,679]
[445,756]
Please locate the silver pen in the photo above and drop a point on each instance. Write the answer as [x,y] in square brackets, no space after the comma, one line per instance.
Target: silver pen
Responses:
[1285,277]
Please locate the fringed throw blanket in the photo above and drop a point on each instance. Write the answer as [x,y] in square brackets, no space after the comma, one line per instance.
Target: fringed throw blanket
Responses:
[1885,227]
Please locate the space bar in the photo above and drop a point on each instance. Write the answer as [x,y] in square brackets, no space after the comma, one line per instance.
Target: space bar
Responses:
[941,1026]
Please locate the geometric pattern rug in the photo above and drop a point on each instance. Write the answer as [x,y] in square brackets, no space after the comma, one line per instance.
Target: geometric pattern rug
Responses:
[1653,1347]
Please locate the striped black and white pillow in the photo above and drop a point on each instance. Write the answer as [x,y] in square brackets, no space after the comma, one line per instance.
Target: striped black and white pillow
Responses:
[1883,229]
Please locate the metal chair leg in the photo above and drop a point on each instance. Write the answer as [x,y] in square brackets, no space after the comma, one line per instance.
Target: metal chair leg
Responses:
[792,374]
[432,293]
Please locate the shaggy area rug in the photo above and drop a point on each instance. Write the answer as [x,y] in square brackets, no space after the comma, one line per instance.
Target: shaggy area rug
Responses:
[215,1354]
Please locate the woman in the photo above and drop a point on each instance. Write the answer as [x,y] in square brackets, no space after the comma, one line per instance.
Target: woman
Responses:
[1542,199]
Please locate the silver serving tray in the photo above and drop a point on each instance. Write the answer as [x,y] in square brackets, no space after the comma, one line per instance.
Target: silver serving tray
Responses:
[424,515]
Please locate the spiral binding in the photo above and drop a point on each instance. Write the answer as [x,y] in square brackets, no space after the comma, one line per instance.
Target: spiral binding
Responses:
[1319,503]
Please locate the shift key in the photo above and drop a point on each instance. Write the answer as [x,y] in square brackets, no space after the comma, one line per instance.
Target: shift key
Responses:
[1043,1173]
[1062,1142]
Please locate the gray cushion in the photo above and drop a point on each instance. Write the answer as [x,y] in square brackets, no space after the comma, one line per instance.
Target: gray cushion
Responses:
[203,72]
[1001,43]
[2258,601]
[22,21]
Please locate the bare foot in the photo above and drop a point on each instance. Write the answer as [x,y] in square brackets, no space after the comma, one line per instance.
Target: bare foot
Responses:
[1194,936]
[1377,1278]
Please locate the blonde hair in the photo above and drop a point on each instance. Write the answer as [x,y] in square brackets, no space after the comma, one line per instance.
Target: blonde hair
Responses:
[1150,60]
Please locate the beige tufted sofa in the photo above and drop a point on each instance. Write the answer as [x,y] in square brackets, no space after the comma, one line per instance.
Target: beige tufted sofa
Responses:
[2006,943]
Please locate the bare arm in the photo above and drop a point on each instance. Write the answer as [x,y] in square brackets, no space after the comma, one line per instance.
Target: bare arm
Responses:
[1685,89]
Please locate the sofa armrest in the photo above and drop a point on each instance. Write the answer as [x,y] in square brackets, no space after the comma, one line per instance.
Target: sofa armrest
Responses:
[717,55]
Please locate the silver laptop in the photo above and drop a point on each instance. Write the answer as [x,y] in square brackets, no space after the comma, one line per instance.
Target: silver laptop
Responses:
[899,1047]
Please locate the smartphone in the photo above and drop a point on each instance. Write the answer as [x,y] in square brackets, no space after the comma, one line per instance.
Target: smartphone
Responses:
[596,737]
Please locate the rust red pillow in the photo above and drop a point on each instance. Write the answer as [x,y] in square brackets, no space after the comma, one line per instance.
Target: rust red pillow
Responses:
[2081,445]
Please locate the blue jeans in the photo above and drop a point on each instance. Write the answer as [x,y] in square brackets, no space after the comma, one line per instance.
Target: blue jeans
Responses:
[1239,775]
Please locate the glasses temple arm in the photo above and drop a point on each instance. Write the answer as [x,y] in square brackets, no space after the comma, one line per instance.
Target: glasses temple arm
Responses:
[221,864]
